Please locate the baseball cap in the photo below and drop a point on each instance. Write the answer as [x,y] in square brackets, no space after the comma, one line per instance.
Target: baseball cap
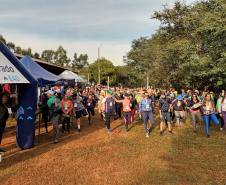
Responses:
[179,97]
[50,92]
[110,92]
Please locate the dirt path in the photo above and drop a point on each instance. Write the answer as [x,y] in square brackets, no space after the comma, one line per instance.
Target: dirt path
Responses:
[96,157]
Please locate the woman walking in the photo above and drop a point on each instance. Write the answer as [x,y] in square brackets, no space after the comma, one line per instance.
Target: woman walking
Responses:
[179,108]
[67,112]
[195,110]
[208,111]
[222,109]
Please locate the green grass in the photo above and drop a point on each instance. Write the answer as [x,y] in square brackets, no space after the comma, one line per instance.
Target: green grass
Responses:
[129,158]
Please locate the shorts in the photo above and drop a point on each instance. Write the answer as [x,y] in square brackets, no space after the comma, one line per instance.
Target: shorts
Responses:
[80,113]
[165,116]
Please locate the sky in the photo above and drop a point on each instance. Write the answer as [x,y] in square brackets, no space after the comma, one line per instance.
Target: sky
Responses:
[80,26]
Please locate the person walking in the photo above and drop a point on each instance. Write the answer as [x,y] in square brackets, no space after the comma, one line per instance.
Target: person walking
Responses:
[222,109]
[90,105]
[67,112]
[79,109]
[179,110]
[126,109]
[195,110]
[164,111]
[109,104]
[118,96]
[5,111]
[146,107]
[54,114]
[208,112]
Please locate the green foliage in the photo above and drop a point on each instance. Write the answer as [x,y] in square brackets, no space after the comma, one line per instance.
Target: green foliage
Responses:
[78,63]
[188,49]
[107,69]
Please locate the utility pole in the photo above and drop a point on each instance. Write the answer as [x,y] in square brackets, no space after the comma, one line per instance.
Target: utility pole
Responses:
[99,64]
[108,82]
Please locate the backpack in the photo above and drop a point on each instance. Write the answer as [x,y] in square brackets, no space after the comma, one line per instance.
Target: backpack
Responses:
[165,106]
[58,105]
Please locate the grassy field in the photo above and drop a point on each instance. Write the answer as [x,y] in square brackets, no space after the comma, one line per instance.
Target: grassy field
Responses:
[96,157]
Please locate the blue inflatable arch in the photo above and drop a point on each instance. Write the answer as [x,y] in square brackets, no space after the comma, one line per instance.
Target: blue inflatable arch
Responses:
[27,98]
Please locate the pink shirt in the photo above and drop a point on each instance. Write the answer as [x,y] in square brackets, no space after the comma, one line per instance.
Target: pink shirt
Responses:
[126,105]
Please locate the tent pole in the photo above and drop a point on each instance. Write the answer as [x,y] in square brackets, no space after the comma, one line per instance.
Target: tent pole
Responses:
[39,116]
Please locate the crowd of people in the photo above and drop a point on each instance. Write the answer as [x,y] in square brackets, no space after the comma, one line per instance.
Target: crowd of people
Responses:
[59,104]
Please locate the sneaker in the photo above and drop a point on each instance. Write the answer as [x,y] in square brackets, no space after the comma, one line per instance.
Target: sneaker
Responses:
[2,151]
[147,135]
[161,133]
[166,125]
[68,131]
[127,130]
[170,132]
[221,129]
[109,131]
[79,130]
[47,132]
[55,143]
[195,131]
[63,131]
[208,136]
[89,122]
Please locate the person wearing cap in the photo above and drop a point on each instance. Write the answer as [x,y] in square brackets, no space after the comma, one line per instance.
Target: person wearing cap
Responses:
[118,96]
[164,111]
[179,108]
[126,109]
[146,107]
[54,116]
[79,109]
[109,105]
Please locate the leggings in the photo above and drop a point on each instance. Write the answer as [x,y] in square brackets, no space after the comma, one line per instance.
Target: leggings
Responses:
[223,123]
[68,123]
[90,111]
[193,118]
[133,113]
[148,115]
[207,121]
[179,115]
[127,118]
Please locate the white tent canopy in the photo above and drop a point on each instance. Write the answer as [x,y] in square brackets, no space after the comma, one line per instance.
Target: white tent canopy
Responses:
[69,75]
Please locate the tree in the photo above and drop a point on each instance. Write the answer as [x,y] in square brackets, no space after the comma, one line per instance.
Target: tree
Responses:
[107,69]
[78,63]
[11,46]
[48,56]
[2,39]
[60,57]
